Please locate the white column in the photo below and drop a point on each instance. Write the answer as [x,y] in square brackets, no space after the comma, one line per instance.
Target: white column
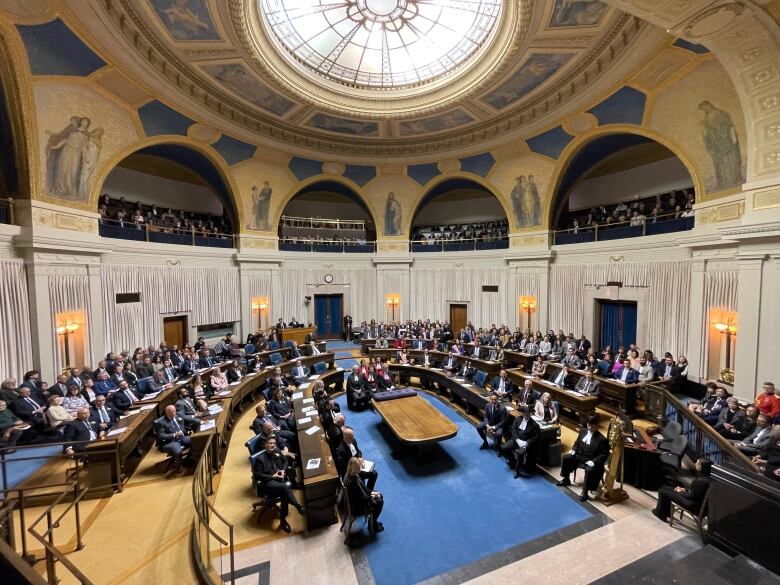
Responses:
[41,320]
[97,315]
[697,325]
[542,303]
[749,319]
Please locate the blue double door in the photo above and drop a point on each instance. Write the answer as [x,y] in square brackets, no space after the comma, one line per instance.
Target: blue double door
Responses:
[329,315]
[618,323]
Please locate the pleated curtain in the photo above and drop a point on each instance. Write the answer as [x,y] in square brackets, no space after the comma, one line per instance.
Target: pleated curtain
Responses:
[720,294]
[15,349]
[208,294]
[665,319]
[67,294]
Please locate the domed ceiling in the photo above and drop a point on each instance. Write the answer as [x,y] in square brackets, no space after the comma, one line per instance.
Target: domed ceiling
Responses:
[373,77]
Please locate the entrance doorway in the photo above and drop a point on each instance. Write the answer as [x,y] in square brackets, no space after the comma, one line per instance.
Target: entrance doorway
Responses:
[617,323]
[458,317]
[328,315]
[175,330]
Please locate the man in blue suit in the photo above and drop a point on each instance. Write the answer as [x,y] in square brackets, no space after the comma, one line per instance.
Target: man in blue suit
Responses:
[627,374]
[493,424]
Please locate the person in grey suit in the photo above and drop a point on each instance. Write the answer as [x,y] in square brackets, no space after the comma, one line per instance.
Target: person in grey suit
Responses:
[588,385]
[172,436]
[571,359]
[761,438]
[187,411]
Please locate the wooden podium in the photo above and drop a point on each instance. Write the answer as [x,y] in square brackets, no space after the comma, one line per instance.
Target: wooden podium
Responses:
[296,334]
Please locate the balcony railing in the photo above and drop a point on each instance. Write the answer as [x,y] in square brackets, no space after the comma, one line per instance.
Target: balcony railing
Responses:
[7,210]
[323,223]
[652,226]
[462,245]
[126,230]
[320,246]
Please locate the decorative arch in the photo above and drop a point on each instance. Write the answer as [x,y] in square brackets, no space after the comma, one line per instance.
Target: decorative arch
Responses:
[576,146]
[746,41]
[441,179]
[311,181]
[232,202]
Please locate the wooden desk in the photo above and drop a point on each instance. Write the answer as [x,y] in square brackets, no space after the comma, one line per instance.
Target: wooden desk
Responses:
[296,334]
[516,358]
[574,408]
[615,395]
[472,396]
[490,368]
[415,421]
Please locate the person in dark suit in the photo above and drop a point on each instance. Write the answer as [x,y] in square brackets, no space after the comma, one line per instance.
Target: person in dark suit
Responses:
[493,424]
[626,373]
[75,379]
[61,387]
[347,449]
[335,433]
[528,395]
[583,345]
[187,411]
[589,452]
[145,370]
[280,407]
[172,436]
[563,378]
[522,446]
[667,369]
[689,498]
[362,500]
[78,430]
[263,417]
[189,365]
[736,424]
[589,386]
[357,395]
[299,373]
[329,414]
[294,352]
[267,432]
[271,468]
[27,408]
[101,414]
[502,386]
[122,400]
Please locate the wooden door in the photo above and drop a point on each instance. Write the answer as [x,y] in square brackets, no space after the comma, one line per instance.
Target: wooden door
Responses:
[175,330]
[458,317]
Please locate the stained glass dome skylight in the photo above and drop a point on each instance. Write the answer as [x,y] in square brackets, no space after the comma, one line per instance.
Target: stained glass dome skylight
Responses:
[381,43]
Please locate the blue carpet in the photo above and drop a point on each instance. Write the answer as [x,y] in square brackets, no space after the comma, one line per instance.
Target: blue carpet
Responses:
[460,506]
[336,345]
[18,471]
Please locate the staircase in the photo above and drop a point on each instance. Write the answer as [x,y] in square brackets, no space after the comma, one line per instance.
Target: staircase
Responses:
[687,562]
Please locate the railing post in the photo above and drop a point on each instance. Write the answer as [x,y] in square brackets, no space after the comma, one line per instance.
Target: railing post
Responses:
[193,236]
[147,231]
[51,567]
[79,542]
[596,236]
[11,211]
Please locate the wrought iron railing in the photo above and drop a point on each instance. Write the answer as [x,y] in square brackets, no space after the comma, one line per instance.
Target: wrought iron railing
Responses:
[650,226]
[210,531]
[127,230]
[461,245]
[302,245]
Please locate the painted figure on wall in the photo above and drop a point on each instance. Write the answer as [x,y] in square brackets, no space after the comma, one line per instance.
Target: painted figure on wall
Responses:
[722,143]
[525,201]
[262,203]
[71,158]
[187,20]
[577,13]
[392,216]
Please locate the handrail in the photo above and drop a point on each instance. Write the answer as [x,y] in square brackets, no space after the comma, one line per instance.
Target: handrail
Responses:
[648,219]
[700,433]
[202,489]
[149,232]
[337,223]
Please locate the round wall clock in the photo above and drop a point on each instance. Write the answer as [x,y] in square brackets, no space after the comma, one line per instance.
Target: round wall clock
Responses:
[328,278]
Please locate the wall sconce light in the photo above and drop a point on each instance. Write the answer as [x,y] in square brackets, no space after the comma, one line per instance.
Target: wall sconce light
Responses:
[66,331]
[528,305]
[393,303]
[729,330]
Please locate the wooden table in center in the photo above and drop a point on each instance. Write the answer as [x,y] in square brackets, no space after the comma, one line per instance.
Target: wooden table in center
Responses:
[415,421]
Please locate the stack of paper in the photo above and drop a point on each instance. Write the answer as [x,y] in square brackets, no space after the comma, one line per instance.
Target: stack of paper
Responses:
[215,408]
[207,425]
[297,395]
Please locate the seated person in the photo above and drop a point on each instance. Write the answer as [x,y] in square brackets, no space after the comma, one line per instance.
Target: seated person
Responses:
[363,368]
[357,395]
[545,409]
[590,453]
[492,424]
[769,460]
[101,414]
[539,367]
[450,363]
[362,500]
[588,386]
[521,448]
[74,400]
[313,349]
[158,383]
[172,437]
[79,431]
[467,370]
[571,359]
[170,373]
[121,401]
[626,373]
[11,426]
[263,417]
[385,381]
[761,437]
[425,360]
[281,408]
[26,407]
[335,432]
[767,402]
[56,415]
[299,373]
[403,357]
[218,381]
[104,386]
[528,395]
[294,352]
[689,498]
[563,379]
[502,386]
[188,412]
[646,371]
[696,406]
[711,413]
[381,343]
[346,450]
[668,370]
[496,354]
[266,432]
[329,413]
[736,425]
[200,391]
[371,381]
[233,373]
[272,469]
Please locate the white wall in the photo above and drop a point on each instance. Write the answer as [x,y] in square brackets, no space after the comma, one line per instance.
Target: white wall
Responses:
[149,189]
[460,208]
[335,209]
[658,177]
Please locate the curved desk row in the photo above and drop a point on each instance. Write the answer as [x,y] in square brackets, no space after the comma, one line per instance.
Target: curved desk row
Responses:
[487,366]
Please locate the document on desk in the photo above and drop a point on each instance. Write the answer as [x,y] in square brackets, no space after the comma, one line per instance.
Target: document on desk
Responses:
[224,393]
[236,383]
[368,466]
[303,421]
[148,406]
[308,400]
[313,463]
[253,373]
[134,412]
[215,409]
[297,395]
[573,393]
[312,430]
[314,377]
[303,386]
[150,396]
[208,425]
[114,432]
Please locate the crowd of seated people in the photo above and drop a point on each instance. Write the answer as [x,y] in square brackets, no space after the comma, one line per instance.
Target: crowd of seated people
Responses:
[318,230]
[137,215]
[637,212]
[487,231]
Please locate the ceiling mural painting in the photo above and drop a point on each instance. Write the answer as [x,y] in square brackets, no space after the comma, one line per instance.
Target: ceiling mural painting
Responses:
[186,20]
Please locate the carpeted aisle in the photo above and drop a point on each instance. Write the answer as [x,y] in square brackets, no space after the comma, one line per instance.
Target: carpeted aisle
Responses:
[460,506]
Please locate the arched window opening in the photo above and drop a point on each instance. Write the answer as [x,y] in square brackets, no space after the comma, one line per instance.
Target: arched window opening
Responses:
[622,186]
[459,215]
[168,193]
[327,217]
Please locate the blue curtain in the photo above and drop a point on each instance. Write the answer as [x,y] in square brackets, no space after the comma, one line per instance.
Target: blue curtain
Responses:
[609,324]
[628,328]
[320,312]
